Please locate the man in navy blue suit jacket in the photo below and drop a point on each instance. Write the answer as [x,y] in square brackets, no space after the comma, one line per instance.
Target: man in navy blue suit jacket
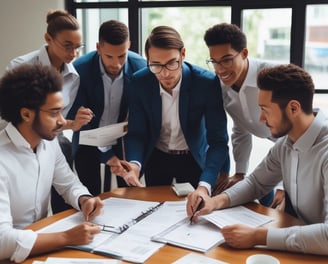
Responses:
[177,124]
[104,77]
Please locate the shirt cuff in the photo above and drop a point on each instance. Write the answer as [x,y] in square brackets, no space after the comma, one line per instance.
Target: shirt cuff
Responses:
[207,186]
[137,163]
[276,238]
[25,243]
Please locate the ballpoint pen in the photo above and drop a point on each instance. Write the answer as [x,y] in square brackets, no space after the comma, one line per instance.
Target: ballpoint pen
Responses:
[200,205]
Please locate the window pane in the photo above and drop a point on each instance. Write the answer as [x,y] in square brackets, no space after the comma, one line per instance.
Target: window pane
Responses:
[316,44]
[91,19]
[186,20]
[268,33]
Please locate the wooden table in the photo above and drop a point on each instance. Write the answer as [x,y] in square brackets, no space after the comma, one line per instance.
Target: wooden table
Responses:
[168,254]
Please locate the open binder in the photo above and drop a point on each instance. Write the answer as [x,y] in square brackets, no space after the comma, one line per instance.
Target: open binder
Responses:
[136,211]
[137,229]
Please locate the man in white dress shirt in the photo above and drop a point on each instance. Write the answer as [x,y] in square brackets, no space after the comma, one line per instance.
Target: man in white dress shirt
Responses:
[237,72]
[31,162]
[299,158]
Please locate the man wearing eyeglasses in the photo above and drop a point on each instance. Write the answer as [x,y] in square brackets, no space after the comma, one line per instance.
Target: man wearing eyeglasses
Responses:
[31,162]
[177,124]
[237,72]
[104,78]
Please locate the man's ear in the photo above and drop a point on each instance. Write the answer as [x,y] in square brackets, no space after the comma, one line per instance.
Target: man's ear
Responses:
[294,106]
[27,114]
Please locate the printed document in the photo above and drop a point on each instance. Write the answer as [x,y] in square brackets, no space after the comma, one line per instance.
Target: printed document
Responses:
[145,226]
[117,212]
[205,234]
[103,136]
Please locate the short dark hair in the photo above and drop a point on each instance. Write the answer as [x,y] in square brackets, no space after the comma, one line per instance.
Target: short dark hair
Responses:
[113,32]
[288,82]
[224,33]
[26,86]
[164,37]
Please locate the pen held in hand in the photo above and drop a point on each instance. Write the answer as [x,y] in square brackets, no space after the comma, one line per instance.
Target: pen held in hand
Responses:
[88,216]
[200,205]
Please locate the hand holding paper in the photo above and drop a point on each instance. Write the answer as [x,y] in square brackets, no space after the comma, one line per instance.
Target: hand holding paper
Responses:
[103,136]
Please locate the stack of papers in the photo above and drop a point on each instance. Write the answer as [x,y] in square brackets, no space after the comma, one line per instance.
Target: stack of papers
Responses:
[151,225]
[52,260]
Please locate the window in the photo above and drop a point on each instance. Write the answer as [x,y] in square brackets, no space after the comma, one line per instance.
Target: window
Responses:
[276,30]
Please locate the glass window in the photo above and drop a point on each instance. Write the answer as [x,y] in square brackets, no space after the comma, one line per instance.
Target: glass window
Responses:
[91,19]
[268,33]
[316,44]
[186,21]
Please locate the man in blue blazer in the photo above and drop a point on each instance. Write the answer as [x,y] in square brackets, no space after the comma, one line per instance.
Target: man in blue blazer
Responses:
[177,124]
[104,77]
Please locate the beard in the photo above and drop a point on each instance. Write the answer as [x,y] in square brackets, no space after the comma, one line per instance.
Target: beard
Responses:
[285,127]
[41,132]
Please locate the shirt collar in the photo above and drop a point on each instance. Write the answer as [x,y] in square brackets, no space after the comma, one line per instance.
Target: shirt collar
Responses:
[104,73]
[306,141]
[68,68]
[251,76]
[175,90]
[17,139]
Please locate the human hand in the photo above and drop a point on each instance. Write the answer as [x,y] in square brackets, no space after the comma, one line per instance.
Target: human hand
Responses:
[82,117]
[81,234]
[242,236]
[279,200]
[118,167]
[131,177]
[90,207]
[196,202]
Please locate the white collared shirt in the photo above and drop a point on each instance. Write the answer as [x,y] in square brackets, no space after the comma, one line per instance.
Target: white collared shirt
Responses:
[69,74]
[245,113]
[25,186]
[171,135]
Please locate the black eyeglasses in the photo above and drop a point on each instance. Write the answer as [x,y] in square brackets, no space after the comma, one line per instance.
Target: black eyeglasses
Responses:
[156,68]
[225,63]
[69,47]
[52,113]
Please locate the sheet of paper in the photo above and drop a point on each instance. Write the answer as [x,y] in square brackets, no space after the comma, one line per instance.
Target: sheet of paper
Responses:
[140,247]
[193,258]
[200,237]
[52,260]
[129,246]
[118,212]
[103,136]
[74,220]
[237,215]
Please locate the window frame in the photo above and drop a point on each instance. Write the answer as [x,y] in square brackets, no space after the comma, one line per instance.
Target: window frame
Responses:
[298,24]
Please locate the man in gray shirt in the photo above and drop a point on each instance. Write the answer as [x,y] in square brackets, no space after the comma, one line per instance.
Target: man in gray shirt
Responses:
[299,159]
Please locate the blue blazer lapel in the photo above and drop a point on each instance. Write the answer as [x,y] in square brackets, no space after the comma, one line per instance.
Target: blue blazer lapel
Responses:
[184,98]
[156,110]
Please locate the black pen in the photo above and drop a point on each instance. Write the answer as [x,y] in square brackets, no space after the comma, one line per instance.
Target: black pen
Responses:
[197,209]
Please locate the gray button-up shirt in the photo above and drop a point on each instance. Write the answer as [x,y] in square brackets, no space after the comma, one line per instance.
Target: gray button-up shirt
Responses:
[303,167]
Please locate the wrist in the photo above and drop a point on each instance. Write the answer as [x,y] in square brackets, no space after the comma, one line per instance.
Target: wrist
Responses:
[240,175]
[222,201]
[83,199]
[260,236]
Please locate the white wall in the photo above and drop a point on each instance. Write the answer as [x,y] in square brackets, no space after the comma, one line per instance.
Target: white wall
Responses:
[22,26]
